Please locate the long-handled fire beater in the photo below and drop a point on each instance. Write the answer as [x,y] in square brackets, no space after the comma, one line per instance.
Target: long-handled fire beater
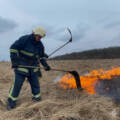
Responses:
[74,73]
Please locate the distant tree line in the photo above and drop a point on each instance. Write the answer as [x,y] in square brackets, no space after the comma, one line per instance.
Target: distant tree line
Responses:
[105,53]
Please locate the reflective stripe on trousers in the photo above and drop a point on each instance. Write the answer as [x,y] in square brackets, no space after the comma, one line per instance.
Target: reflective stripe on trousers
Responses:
[18,82]
[16,87]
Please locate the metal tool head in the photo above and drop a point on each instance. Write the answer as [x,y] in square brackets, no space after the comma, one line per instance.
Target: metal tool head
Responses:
[70,34]
[77,79]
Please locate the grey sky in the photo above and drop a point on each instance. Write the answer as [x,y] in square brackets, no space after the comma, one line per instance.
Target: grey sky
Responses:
[6,25]
[94,24]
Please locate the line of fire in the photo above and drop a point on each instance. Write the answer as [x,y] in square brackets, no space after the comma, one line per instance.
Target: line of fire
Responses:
[106,82]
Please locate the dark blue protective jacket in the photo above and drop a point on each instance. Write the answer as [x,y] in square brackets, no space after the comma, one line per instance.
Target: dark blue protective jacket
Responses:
[26,51]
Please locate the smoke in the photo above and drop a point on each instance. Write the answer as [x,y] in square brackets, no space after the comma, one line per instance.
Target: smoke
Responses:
[58,78]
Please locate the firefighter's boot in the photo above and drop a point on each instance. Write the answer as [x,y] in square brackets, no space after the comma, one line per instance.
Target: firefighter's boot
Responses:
[11,104]
[36,99]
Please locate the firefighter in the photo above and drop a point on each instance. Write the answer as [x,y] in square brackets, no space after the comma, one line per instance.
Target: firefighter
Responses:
[28,50]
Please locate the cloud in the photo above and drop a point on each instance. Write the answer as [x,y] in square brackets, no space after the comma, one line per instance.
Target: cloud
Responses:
[61,33]
[78,32]
[6,25]
[112,25]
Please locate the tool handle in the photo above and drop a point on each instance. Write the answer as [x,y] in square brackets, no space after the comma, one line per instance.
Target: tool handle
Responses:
[22,66]
[58,49]
[70,40]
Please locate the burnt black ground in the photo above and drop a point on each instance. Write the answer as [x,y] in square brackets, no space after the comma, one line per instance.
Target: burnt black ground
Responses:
[110,88]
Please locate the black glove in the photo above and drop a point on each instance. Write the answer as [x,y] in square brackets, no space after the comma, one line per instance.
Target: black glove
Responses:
[14,65]
[47,68]
[45,55]
[14,62]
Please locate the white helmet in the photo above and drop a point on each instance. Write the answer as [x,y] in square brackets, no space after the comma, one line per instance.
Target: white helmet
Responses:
[39,31]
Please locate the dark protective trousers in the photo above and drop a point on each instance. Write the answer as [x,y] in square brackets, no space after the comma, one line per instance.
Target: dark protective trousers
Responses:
[18,82]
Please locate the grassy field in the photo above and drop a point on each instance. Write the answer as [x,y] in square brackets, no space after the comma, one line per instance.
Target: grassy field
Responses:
[58,103]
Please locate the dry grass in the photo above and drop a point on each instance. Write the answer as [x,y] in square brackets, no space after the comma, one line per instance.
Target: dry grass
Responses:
[57,103]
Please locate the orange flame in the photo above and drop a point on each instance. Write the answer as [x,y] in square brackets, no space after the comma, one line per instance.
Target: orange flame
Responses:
[89,81]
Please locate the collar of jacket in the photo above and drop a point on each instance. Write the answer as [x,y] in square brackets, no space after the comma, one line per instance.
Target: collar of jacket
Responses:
[32,37]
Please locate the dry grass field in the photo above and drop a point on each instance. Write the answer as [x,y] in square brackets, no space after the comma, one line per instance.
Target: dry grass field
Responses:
[58,103]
